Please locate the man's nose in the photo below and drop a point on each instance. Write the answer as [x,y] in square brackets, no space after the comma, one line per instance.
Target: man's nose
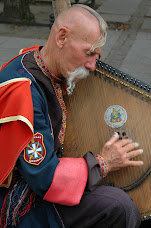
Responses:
[91,64]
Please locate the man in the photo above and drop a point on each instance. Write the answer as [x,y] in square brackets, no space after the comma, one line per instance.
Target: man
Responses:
[47,190]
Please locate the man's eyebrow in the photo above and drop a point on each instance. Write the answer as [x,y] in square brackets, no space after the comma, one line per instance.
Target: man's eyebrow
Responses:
[93,52]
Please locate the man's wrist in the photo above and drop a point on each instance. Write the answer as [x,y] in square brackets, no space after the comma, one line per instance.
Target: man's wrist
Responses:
[103,164]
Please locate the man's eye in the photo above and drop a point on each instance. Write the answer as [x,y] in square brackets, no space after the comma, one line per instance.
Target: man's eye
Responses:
[98,56]
[88,53]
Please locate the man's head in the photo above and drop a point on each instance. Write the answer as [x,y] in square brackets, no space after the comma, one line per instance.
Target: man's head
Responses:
[75,42]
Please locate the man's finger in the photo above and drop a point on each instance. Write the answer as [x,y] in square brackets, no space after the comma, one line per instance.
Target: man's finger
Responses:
[124,142]
[134,163]
[113,139]
[130,146]
[134,153]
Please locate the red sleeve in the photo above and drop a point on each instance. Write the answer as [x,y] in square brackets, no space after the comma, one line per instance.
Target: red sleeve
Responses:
[69,182]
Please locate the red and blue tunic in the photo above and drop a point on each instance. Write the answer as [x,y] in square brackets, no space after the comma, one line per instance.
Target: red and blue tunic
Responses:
[32,133]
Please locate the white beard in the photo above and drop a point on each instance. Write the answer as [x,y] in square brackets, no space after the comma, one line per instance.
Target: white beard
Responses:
[78,73]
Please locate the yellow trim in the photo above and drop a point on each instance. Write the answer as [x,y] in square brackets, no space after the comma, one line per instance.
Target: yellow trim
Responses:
[20,52]
[9,181]
[15,118]
[14,80]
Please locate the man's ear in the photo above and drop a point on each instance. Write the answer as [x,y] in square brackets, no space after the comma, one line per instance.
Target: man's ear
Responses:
[61,37]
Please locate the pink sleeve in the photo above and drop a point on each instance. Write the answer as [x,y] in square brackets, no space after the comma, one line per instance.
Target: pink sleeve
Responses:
[69,182]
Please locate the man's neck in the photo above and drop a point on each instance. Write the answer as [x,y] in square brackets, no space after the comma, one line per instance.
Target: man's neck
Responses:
[49,60]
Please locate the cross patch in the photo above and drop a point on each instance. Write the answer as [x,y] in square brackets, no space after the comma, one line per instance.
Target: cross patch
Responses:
[35,152]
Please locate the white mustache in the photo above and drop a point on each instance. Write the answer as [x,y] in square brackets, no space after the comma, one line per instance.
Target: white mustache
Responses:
[78,73]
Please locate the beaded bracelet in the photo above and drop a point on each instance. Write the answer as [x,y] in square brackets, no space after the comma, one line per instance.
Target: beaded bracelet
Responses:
[103,164]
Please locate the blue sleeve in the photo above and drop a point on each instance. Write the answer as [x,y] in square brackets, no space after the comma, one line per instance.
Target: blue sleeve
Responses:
[37,172]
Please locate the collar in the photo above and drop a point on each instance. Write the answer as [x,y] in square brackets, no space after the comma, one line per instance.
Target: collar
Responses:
[46,71]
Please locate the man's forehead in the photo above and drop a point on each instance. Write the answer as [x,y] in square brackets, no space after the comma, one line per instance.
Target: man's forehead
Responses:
[87,35]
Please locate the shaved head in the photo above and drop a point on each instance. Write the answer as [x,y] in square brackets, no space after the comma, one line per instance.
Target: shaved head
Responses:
[78,17]
[75,42]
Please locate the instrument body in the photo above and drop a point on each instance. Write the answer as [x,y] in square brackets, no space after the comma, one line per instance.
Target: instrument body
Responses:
[105,102]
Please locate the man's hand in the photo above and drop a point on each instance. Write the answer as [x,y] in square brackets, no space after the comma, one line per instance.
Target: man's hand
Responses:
[117,153]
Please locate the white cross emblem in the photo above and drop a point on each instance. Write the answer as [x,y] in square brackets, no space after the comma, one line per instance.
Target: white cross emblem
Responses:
[34,150]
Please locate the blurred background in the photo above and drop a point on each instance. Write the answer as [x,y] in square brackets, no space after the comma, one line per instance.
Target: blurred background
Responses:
[128,48]
[25,23]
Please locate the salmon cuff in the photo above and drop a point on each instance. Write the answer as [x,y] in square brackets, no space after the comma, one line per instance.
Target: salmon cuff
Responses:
[69,182]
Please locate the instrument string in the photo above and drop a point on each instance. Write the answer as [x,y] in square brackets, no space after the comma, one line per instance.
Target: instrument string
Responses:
[83,120]
[146,158]
[77,109]
[96,114]
[73,105]
[88,116]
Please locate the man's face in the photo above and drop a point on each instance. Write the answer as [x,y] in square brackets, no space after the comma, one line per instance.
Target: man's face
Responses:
[77,52]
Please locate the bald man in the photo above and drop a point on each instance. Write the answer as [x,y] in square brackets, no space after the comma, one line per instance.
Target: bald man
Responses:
[39,187]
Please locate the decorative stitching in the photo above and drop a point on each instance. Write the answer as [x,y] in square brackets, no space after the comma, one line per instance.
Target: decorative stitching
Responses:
[103,164]
[56,82]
